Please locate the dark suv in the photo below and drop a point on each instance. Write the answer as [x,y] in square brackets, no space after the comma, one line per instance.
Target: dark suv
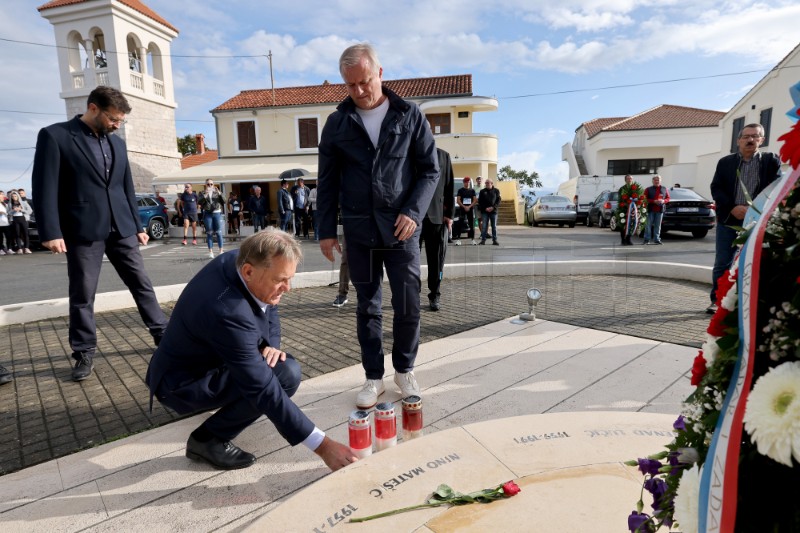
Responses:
[602,209]
[153,215]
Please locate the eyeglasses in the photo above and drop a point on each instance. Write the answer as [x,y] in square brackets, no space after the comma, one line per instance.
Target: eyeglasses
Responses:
[747,137]
[114,120]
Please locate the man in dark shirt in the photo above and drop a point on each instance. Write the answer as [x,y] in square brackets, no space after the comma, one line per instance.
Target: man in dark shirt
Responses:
[187,209]
[488,203]
[259,209]
[300,197]
[468,202]
[86,207]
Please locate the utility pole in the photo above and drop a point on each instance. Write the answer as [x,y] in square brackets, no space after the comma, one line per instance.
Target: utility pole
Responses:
[272,85]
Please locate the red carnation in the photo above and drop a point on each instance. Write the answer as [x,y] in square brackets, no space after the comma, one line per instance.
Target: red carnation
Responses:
[724,284]
[717,326]
[634,187]
[698,369]
[790,151]
[511,488]
[624,196]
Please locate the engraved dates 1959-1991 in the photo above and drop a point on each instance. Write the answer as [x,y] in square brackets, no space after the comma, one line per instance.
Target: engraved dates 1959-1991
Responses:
[544,436]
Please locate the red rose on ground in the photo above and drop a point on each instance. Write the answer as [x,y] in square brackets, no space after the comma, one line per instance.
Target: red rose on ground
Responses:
[698,369]
[511,488]
[717,327]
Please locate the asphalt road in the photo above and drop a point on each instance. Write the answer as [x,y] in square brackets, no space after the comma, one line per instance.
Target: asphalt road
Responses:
[43,276]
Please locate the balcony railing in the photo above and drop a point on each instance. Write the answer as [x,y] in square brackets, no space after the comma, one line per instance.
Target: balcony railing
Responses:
[158,87]
[137,82]
[469,146]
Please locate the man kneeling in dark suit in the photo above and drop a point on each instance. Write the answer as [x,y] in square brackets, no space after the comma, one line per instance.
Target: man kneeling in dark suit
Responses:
[221,350]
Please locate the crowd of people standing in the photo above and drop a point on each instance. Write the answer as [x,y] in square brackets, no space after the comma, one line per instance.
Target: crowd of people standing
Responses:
[15,213]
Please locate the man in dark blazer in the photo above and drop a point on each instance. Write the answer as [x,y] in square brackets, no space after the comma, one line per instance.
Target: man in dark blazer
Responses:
[377,158]
[222,351]
[85,206]
[435,227]
[749,167]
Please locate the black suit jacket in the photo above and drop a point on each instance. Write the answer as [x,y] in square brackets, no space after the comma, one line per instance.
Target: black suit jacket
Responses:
[71,197]
[212,343]
[442,201]
[723,185]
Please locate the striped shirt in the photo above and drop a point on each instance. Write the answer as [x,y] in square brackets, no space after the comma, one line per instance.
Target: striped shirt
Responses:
[747,174]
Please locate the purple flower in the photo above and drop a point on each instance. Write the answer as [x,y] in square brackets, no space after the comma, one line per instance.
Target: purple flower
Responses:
[657,487]
[649,466]
[679,424]
[638,522]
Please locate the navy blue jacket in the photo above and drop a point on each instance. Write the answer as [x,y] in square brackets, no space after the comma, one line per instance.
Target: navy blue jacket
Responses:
[72,199]
[723,185]
[217,324]
[374,185]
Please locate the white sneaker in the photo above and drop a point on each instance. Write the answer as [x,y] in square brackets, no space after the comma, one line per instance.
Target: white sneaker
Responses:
[211,254]
[474,243]
[368,396]
[457,242]
[407,383]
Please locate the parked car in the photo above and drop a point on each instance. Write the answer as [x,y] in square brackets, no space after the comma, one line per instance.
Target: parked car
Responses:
[688,211]
[153,215]
[602,209]
[552,209]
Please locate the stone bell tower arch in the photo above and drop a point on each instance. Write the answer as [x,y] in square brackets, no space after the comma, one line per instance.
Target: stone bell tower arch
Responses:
[126,45]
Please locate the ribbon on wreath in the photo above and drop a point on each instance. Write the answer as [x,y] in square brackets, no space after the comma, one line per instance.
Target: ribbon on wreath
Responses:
[720,478]
[631,227]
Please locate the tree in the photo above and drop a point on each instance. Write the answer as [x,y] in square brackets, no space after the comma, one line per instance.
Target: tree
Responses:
[521,176]
[187,144]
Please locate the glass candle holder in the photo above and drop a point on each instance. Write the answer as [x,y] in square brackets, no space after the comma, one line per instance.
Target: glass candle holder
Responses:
[360,434]
[412,417]
[385,426]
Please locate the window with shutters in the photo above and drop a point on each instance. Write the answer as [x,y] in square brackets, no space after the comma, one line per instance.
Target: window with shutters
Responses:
[440,122]
[738,126]
[246,135]
[307,133]
[766,120]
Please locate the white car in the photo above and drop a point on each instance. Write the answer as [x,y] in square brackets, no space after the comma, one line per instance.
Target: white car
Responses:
[552,209]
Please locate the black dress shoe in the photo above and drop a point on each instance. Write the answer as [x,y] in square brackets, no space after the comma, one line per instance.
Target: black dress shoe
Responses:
[5,375]
[224,455]
[83,366]
[157,339]
[435,304]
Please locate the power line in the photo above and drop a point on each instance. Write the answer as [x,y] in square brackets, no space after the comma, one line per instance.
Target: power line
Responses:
[204,56]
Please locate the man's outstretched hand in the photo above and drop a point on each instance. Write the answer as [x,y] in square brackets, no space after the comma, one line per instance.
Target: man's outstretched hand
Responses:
[335,454]
[327,246]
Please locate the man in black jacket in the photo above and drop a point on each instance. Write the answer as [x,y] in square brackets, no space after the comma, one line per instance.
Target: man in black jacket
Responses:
[748,170]
[377,155]
[85,207]
[435,227]
[488,203]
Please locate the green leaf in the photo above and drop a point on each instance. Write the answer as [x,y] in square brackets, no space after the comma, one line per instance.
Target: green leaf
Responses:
[443,492]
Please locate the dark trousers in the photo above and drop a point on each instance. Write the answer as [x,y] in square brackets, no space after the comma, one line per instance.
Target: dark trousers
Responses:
[84,259]
[218,390]
[725,250]
[434,236]
[366,272]
[344,271]
[6,238]
[20,228]
[301,221]
[468,223]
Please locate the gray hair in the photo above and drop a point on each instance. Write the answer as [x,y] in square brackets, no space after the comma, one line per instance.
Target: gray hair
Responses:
[262,247]
[353,54]
[753,125]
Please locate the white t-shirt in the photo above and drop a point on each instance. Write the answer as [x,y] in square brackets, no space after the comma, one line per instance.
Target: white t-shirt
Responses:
[372,119]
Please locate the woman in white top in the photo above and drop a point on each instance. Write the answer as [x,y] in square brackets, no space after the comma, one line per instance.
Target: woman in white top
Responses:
[20,212]
[5,227]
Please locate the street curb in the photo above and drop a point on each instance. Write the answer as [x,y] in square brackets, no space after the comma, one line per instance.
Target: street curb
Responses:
[22,313]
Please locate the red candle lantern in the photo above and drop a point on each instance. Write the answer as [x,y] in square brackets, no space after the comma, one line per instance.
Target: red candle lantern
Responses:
[360,434]
[385,426]
[412,417]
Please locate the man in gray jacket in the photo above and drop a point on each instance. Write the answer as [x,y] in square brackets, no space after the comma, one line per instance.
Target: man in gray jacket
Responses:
[377,156]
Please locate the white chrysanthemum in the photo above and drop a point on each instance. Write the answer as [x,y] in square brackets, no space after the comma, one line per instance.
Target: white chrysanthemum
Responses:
[730,299]
[710,348]
[687,500]
[772,416]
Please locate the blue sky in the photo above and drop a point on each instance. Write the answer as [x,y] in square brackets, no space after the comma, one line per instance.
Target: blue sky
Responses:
[512,48]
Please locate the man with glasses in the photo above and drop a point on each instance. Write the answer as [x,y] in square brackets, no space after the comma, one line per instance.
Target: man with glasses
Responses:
[746,171]
[85,206]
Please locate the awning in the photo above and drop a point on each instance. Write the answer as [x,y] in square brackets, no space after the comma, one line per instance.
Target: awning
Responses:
[243,169]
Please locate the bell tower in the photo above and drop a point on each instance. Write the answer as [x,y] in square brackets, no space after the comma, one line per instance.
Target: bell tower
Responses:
[126,45]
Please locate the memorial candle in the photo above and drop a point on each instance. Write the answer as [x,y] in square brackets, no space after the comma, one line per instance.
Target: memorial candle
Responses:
[412,417]
[360,434]
[385,426]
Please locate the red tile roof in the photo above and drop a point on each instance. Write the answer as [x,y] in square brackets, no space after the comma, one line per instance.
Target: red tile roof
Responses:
[331,93]
[659,117]
[133,4]
[199,159]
